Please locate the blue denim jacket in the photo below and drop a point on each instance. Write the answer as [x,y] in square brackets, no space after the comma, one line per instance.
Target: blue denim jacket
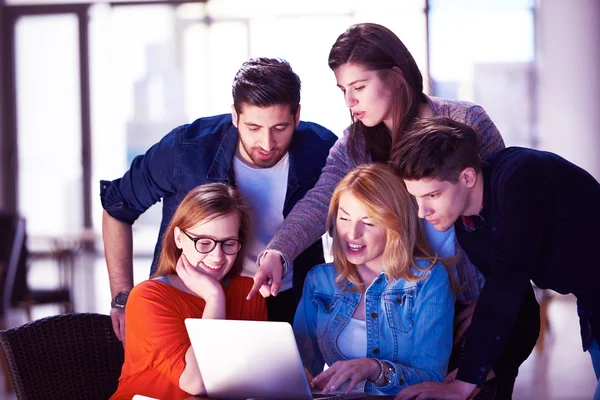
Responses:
[202,152]
[409,324]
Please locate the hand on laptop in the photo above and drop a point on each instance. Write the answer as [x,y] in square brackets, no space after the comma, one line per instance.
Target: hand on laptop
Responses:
[309,378]
[340,372]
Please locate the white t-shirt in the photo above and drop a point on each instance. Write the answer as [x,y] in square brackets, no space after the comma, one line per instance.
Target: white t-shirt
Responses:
[265,190]
[352,339]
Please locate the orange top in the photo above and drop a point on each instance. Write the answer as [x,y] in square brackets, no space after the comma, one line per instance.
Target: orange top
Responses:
[156,339]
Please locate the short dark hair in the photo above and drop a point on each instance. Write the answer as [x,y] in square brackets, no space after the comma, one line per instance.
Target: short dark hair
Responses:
[265,82]
[438,148]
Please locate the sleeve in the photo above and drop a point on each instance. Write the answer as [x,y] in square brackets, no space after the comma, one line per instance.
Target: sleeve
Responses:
[305,328]
[305,224]
[433,322]
[523,337]
[149,178]
[155,328]
[522,200]
[469,279]
[490,140]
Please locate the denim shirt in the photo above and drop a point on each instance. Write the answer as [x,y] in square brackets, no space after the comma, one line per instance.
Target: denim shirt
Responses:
[202,152]
[409,324]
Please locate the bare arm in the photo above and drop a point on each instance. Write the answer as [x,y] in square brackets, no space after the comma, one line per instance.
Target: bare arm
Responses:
[212,292]
[190,380]
[118,249]
[149,179]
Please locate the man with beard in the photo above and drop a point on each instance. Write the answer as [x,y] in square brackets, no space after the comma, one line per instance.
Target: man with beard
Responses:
[262,148]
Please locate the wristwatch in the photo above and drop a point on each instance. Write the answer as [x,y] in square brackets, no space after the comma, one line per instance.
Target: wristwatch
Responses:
[120,300]
[386,374]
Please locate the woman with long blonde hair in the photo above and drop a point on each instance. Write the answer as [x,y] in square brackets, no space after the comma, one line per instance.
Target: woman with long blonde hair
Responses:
[381,314]
[197,277]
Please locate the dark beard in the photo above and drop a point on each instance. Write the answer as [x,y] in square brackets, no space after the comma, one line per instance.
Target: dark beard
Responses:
[264,163]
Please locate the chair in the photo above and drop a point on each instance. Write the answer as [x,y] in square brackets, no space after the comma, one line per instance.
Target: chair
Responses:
[12,239]
[65,356]
[15,256]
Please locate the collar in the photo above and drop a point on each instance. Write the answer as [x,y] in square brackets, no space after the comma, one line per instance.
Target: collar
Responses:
[473,222]
[221,168]
[301,168]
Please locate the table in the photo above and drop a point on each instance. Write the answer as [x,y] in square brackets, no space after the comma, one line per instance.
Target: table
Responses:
[368,397]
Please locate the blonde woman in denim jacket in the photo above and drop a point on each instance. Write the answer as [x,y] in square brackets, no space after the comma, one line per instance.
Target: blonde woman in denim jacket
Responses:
[380,316]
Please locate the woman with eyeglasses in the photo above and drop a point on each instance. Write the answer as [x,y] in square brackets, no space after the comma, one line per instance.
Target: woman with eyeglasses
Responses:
[197,277]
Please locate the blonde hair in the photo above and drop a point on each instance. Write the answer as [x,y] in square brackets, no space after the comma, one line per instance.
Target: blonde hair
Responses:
[390,206]
[203,204]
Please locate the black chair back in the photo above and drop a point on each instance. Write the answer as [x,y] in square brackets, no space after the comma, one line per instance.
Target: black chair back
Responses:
[65,356]
[13,260]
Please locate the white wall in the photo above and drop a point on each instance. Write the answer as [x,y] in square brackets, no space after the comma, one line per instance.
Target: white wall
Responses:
[569,86]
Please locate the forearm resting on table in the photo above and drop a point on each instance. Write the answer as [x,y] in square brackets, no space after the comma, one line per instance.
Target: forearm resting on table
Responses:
[118,249]
[190,380]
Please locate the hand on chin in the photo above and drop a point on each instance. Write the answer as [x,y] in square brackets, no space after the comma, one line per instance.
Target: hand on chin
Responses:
[197,280]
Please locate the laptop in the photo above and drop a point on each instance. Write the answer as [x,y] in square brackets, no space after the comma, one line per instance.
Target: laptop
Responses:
[252,360]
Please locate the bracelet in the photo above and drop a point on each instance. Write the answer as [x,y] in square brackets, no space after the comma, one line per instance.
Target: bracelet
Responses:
[380,371]
[389,373]
[386,375]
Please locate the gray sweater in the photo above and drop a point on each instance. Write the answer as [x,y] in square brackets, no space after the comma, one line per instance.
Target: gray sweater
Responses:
[306,222]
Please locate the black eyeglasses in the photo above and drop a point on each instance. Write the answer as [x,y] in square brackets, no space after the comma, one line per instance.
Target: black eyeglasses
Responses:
[205,245]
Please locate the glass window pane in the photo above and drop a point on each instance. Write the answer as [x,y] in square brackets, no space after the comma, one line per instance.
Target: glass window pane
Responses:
[49,123]
[479,5]
[138,95]
[479,51]
[223,9]
[195,70]
[322,101]
[227,50]
[407,19]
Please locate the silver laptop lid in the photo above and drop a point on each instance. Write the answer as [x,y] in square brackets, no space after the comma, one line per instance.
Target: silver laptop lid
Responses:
[248,359]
